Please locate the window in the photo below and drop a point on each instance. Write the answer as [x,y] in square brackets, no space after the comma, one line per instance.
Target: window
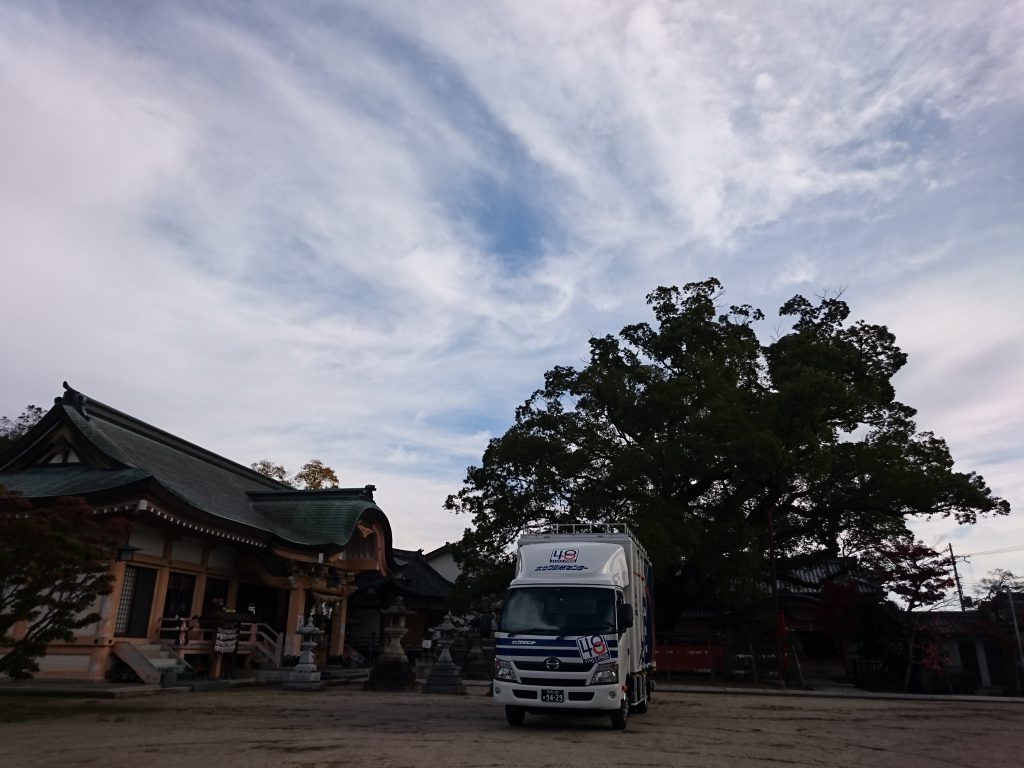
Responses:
[178,601]
[136,602]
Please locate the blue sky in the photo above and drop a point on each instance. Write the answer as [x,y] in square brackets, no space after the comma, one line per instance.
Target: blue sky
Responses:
[361,231]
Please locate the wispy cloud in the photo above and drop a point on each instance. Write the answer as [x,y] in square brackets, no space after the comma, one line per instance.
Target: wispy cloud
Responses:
[362,231]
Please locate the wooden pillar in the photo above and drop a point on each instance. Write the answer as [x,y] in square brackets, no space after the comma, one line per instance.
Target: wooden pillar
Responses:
[198,595]
[159,599]
[104,639]
[339,622]
[296,608]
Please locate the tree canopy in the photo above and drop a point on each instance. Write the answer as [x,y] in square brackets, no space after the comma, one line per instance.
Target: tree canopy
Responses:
[270,469]
[314,474]
[54,564]
[714,446]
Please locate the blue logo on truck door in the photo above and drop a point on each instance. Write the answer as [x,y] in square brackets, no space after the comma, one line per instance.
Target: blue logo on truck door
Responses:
[593,649]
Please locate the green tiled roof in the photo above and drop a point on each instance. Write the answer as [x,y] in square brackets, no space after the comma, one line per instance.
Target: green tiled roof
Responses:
[201,479]
[313,517]
[69,480]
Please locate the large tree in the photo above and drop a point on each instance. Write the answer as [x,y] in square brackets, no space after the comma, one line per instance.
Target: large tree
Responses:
[54,564]
[717,448]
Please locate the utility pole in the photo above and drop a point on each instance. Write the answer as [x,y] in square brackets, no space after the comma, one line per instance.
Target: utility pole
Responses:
[956,577]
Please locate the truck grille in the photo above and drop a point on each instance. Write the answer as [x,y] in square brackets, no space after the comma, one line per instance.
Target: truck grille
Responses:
[565,666]
[554,682]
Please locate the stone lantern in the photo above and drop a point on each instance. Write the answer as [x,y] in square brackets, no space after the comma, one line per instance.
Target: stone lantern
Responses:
[305,676]
[391,670]
[445,677]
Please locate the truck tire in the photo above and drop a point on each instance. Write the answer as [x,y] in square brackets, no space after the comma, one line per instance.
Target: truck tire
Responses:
[515,715]
[640,707]
[620,717]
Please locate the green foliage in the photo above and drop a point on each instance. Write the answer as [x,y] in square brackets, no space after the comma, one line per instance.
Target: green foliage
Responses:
[713,446]
[54,564]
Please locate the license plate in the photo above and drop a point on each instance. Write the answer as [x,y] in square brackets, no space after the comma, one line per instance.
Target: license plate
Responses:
[552,695]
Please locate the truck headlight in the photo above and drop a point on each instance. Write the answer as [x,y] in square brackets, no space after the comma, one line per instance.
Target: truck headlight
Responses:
[503,670]
[607,672]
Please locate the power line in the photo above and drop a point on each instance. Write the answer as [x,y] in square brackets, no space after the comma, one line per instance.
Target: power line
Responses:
[1003,551]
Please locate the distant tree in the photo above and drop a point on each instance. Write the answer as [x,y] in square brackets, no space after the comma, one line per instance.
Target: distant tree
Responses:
[270,469]
[718,450]
[54,564]
[12,430]
[919,576]
[996,583]
[315,475]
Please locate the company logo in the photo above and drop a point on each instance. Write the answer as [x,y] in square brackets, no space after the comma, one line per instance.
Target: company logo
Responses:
[524,642]
[562,560]
[552,664]
[593,649]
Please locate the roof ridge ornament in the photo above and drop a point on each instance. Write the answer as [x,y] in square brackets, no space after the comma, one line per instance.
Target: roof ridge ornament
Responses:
[73,398]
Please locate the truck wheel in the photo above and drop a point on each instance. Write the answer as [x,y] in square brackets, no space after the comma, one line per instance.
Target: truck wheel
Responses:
[640,707]
[515,715]
[620,717]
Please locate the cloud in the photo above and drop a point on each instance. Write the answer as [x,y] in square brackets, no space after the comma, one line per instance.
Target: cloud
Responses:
[362,232]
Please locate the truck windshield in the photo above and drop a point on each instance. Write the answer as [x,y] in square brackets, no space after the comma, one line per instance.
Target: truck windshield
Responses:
[558,610]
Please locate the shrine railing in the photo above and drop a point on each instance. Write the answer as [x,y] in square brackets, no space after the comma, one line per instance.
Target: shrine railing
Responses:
[186,636]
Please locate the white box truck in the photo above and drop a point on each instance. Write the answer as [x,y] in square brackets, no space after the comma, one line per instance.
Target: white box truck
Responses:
[576,633]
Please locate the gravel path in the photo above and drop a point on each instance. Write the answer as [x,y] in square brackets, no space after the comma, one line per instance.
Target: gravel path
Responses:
[345,726]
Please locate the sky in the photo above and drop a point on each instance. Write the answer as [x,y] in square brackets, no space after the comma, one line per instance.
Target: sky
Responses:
[362,231]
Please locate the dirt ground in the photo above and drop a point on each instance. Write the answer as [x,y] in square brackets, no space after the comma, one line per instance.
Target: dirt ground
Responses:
[345,726]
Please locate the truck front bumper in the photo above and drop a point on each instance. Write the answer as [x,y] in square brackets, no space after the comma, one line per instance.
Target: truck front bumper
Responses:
[600,697]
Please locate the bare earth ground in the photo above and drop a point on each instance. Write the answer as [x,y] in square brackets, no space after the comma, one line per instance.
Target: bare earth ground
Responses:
[345,726]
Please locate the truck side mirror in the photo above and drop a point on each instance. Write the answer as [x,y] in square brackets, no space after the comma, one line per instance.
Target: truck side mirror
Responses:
[625,616]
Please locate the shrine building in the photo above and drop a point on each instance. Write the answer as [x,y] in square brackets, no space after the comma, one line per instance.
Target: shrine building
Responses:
[210,539]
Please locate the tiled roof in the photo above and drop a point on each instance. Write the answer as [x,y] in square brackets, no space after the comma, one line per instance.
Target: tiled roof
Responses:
[136,452]
[69,480]
[810,579]
[421,576]
[415,576]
